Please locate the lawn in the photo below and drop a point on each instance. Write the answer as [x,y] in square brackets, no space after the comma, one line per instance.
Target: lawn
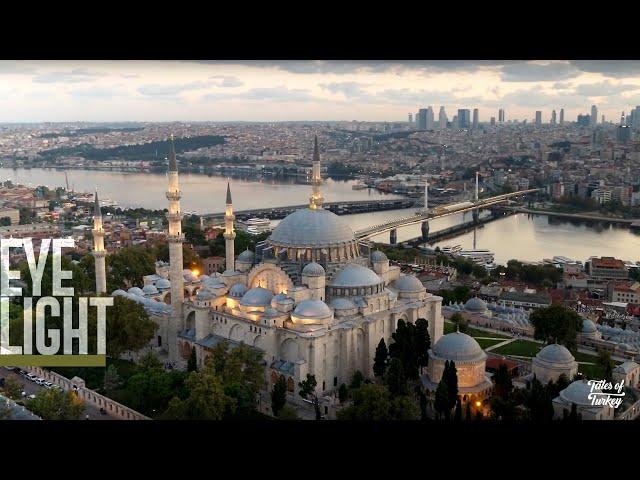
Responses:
[449,327]
[486,343]
[521,348]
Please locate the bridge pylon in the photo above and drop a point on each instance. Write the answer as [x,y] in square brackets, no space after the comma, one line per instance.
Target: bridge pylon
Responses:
[393,236]
[425,231]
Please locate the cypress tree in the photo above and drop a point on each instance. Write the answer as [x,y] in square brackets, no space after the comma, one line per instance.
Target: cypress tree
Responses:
[192,364]
[458,413]
[381,359]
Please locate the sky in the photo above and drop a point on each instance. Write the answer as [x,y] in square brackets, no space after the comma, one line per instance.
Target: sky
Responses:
[265,90]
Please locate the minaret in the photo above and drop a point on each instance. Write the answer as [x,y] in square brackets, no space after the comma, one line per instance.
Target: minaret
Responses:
[229,233]
[476,194]
[316,200]
[98,248]
[175,239]
[426,196]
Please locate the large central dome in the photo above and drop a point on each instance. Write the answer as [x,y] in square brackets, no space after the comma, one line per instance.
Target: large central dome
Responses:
[311,228]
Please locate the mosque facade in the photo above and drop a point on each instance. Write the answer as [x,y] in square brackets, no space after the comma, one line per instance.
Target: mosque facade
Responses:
[312,298]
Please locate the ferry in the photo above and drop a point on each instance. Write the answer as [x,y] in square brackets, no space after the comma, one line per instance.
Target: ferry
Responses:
[451,249]
[256,226]
[479,256]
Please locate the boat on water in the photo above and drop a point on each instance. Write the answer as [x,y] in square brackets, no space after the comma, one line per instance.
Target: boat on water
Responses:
[256,226]
[478,256]
[359,186]
[451,249]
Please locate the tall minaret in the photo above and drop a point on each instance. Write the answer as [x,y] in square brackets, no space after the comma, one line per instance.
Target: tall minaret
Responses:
[477,190]
[316,200]
[98,248]
[175,239]
[229,233]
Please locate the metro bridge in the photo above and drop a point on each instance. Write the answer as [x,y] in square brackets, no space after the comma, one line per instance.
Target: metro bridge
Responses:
[436,212]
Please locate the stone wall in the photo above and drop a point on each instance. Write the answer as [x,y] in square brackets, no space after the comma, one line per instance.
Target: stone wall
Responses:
[112,407]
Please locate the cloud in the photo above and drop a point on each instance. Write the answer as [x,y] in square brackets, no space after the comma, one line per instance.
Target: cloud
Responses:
[99,92]
[348,89]
[281,93]
[422,98]
[172,89]
[609,68]
[534,72]
[225,81]
[536,97]
[604,89]
[76,75]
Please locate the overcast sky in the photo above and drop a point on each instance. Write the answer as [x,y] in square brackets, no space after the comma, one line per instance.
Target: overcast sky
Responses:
[34,91]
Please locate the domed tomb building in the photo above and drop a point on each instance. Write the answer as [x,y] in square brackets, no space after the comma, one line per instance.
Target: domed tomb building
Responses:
[312,298]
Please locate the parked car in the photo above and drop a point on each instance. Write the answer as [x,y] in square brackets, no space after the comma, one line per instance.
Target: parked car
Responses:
[48,385]
[40,381]
[31,377]
[23,373]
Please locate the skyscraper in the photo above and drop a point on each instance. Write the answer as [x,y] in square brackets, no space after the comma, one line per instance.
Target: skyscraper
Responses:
[636,118]
[538,118]
[562,116]
[464,118]
[411,118]
[422,119]
[475,118]
[493,121]
[442,119]
[594,116]
[430,122]
[501,115]
[553,117]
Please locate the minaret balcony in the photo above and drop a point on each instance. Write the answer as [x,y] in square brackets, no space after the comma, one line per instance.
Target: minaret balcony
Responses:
[97,233]
[229,236]
[174,217]
[174,196]
[99,253]
[175,238]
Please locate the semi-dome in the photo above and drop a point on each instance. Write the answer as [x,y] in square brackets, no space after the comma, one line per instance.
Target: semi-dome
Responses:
[354,275]
[555,353]
[237,290]
[408,283]
[588,326]
[459,347]
[342,304]
[476,305]
[136,291]
[312,309]
[311,228]
[245,257]
[150,289]
[313,269]
[163,283]
[378,256]
[119,293]
[578,393]
[257,297]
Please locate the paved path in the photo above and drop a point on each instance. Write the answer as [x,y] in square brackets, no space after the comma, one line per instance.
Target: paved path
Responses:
[498,345]
[30,388]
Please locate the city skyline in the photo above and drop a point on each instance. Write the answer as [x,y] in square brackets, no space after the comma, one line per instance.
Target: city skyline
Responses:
[107,91]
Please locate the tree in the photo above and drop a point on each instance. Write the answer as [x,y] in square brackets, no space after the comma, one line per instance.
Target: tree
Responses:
[441,402]
[279,395]
[556,324]
[606,364]
[458,412]
[357,380]
[288,413]
[459,322]
[467,412]
[374,402]
[12,388]
[538,401]
[5,221]
[423,342]
[343,393]
[380,359]
[308,391]
[423,406]
[56,405]
[112,379]
[450,376]
[127,266]
[192,364]
[404,349]
[502,382]
[394,378]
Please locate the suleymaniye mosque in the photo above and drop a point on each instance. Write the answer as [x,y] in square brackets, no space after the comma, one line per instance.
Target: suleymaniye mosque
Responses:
[312,298]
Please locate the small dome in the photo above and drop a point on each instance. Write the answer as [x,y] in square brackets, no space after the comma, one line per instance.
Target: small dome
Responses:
[578,392]
[257,297]
[476,305]
[163,284]
[588,326]
[354,275]
[245,257]
[237,290]
[342,304]
[555,353]
[281,299]
[458,346]
[204,295]
[150,289]
[312,309]
[214,283]
[313,269]
[408,283]
[136,291]
[378,256]
[119,293]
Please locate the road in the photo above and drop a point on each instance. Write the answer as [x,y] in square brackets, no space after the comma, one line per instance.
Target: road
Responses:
[30,387]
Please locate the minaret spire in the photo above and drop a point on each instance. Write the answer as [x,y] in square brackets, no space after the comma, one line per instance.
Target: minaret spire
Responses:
[175,239]
[316,200]
[99,252]
[229,233]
